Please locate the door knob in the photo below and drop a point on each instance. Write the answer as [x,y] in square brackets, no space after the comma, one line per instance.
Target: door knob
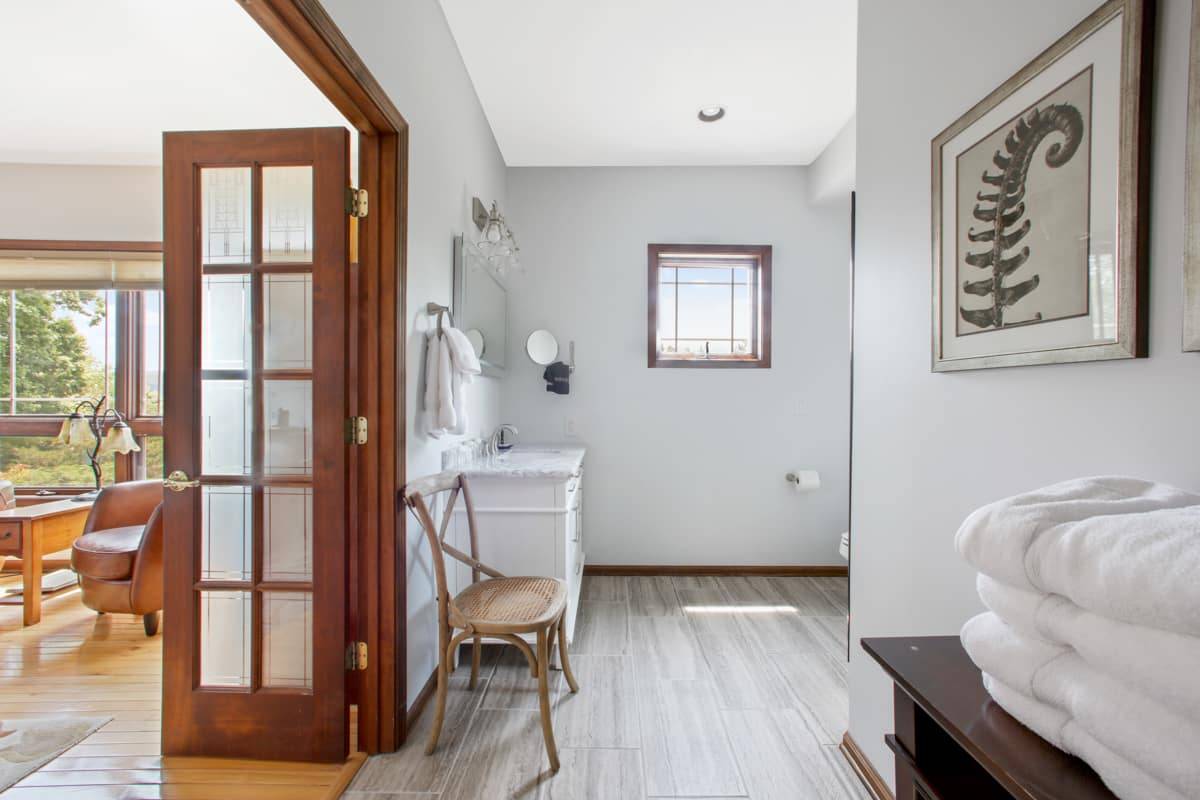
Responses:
[178,480]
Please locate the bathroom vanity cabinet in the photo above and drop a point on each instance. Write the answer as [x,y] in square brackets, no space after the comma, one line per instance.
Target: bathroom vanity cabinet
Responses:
[529,518]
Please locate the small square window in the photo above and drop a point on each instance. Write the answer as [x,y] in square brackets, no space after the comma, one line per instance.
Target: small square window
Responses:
[709,306]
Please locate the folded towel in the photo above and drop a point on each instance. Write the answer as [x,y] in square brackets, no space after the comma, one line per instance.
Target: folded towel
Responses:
[1147,658]
[1155,739]
[1124,778]
[1124,548]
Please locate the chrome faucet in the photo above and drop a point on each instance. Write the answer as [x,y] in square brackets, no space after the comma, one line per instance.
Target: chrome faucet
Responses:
[497,442]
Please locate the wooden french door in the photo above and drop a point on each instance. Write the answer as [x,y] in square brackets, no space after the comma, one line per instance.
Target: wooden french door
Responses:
[255,251]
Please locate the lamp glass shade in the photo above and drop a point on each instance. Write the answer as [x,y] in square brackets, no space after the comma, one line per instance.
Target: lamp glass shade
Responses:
[64,433]
[119,439]
[74,430]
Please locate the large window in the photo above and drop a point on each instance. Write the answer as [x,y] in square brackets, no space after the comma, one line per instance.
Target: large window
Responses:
[78,322]
[709,306]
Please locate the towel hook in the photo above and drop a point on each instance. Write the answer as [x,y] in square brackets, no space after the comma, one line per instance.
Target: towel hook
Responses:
[440,310]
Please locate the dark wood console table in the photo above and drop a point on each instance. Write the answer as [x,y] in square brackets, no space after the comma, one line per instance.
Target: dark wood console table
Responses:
[953,741]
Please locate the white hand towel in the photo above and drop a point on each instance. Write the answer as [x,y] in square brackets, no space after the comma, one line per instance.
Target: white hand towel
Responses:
[461,351]
[446,417]
[1146,658]
[1124,778]
[1150,736]
[433,347]
[1124,548]
[464,366]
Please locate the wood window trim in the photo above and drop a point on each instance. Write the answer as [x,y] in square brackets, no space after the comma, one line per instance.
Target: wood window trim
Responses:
[126,383]
[654,255]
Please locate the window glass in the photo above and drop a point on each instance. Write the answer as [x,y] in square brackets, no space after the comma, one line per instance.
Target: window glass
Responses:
[57,347]
[40,461]
[151,354]
[706,311]
[150,460]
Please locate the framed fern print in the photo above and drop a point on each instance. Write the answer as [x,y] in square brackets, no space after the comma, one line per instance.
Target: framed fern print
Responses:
[1039,235]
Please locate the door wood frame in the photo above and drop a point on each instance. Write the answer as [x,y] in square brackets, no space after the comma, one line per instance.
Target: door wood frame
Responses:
[306,33]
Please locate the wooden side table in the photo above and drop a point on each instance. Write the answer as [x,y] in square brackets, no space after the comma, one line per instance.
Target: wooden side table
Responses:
[953,741]
[32,531]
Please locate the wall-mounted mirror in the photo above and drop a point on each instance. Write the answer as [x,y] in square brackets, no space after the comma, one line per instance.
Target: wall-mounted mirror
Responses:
[480,308]
[542,347]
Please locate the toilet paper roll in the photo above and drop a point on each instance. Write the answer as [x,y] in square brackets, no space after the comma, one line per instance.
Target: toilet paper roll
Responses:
[804,480]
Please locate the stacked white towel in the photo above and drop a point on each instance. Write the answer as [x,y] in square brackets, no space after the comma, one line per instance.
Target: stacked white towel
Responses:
[1093,635]
[450,364]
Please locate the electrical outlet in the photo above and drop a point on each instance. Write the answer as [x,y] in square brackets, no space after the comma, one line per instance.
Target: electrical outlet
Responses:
[571,427]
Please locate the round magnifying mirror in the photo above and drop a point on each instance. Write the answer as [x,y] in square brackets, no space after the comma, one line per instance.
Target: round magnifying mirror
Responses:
[475,337]
[542,347]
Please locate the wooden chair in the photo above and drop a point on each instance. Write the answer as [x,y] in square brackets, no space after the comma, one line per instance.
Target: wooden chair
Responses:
[498,608]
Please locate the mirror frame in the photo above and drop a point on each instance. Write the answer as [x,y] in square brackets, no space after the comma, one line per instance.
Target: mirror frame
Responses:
[463,322]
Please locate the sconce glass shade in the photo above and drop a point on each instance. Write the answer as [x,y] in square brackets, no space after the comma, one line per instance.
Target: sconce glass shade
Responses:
[496,244]
[119,439]
[74,430]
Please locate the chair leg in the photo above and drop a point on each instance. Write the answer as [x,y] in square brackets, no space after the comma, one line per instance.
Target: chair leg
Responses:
[562,653]
[475,657]
[150,623]
[543,659]
[439,706]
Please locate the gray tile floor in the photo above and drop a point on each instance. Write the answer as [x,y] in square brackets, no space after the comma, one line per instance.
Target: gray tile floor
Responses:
[694,687]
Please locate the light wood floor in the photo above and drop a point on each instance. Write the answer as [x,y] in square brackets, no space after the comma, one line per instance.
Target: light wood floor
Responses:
[77,663]
[690,687]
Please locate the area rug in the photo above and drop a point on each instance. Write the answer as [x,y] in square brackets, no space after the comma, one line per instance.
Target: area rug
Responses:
[26,744]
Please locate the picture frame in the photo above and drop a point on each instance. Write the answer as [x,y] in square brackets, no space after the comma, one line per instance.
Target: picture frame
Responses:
[1039,201]
[1191,260]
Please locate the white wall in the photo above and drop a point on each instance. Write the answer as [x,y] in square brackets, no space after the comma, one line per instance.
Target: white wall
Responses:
[686,466]
[452,156]
[831,174]
[56,201]
[929,448]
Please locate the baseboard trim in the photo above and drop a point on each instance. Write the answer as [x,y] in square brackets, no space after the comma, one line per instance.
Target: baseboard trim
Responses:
[781,570]
[863,768]
[422,700]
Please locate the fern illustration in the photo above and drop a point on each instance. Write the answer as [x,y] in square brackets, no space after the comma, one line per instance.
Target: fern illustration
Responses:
[1002,206]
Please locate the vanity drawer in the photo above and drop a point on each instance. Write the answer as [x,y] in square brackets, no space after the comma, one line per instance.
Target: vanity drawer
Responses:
[10,538]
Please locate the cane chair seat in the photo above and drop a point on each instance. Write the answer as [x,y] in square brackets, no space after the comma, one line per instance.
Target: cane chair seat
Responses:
[511,605]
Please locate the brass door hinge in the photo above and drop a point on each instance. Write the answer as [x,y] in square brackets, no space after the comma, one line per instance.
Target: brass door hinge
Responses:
[356,656]
[356,430]
[356,202]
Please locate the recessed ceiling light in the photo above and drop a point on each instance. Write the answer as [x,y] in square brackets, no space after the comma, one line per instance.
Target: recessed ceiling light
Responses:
[711,113]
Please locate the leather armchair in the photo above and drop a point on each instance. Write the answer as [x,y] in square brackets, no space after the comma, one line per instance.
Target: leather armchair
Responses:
[119,556]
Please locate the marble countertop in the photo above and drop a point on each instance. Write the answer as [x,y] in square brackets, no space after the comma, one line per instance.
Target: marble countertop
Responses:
[544,461]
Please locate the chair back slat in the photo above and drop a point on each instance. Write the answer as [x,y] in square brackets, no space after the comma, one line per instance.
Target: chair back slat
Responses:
[416,493]
[447,514]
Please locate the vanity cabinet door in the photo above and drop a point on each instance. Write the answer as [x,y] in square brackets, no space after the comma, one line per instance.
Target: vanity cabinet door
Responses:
[516,543]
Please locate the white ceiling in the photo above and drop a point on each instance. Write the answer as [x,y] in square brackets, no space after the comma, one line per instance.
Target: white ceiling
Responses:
[577,82]
[97,82]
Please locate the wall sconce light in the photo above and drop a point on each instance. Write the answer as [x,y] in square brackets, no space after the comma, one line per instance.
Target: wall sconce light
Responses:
[496,244]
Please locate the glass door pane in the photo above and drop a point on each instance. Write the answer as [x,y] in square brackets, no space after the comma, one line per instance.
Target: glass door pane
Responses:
[256,429]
